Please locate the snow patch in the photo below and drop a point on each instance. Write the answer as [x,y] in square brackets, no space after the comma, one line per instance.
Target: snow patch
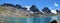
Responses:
[28,7]
[54,11]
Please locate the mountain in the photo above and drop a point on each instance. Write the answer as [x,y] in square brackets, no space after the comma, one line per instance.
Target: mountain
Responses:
[7,4]
[8,10]
[46,10]
[54,11]
[18,6]
[34,8]
[58,11]
[23,11]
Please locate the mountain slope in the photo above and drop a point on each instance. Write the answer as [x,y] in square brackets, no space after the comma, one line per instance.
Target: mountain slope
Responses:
[12,12]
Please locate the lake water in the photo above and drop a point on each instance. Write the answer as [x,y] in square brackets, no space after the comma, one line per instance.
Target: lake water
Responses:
[28,20]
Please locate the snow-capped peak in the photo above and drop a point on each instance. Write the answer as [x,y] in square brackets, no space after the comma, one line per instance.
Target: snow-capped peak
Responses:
[54,11]
[28,7]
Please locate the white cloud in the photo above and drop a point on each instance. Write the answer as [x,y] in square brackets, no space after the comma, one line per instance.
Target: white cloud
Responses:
[55,4]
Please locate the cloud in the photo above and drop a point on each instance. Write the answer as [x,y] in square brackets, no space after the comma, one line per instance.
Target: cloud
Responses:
[55,4]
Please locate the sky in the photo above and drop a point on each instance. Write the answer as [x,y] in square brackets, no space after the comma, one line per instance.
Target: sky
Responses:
[51,4]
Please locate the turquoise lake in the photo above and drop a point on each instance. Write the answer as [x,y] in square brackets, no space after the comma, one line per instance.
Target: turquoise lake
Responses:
[28,20]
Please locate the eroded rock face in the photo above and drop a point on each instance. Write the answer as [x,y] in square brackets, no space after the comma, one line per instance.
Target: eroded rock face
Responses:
[13,12]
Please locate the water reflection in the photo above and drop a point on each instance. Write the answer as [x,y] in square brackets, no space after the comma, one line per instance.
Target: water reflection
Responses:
[27,20]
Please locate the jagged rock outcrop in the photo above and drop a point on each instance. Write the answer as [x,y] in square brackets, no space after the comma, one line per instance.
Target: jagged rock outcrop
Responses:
[7,4]
[34,8]
[46,10]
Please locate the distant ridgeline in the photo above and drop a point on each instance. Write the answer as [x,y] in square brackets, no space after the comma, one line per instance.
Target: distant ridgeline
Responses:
[17,10]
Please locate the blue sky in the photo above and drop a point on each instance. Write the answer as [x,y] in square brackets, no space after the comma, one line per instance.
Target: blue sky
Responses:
[39,3]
